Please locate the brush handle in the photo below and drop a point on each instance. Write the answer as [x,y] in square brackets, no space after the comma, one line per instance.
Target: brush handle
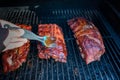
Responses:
[31,36]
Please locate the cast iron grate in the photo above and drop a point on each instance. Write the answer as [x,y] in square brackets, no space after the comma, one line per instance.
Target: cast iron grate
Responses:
[75,68]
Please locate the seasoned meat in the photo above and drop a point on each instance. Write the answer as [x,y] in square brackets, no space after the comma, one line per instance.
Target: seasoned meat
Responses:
[13,59]
[59,53]
[88,39]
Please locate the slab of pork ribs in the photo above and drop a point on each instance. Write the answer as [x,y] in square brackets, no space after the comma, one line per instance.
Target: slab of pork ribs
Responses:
[59,53]
[88,39]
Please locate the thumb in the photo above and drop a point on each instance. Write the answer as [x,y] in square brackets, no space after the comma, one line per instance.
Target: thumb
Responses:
[14,45]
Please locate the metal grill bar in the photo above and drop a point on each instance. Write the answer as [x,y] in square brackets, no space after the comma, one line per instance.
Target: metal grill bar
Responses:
[19,17]
[24,16]
[27,13]
[72,77]
[76,60]
[110,61]
[63,72]
[40,76]
[72,49]
[75,66]
[108,70]
[28,16]
[15,15]
[110,47]
[57,72]
[12,16]
[36,69]
[111,56]
[117,50]
[6,17]
[47,71]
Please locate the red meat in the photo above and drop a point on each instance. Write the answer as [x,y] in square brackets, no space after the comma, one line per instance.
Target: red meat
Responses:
[59,53]
[88,39]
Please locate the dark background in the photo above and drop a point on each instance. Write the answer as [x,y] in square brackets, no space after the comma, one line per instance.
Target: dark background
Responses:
[112,14]
[52,3]
[67,3]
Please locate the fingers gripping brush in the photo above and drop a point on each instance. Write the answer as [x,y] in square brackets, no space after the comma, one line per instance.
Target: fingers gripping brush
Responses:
[45,40]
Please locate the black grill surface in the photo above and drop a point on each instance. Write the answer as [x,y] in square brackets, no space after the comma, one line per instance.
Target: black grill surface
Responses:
[108,68]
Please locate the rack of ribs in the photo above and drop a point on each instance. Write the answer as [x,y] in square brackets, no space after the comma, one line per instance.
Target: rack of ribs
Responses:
[59,53]
[88,39]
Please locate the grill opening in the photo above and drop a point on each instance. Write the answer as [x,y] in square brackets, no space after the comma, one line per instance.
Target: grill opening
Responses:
[75,69]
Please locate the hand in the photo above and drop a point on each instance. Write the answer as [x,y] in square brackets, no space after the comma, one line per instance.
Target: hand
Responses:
[14,39]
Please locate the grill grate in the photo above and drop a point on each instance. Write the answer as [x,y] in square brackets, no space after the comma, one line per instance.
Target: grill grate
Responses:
[22,16]
[75,68]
